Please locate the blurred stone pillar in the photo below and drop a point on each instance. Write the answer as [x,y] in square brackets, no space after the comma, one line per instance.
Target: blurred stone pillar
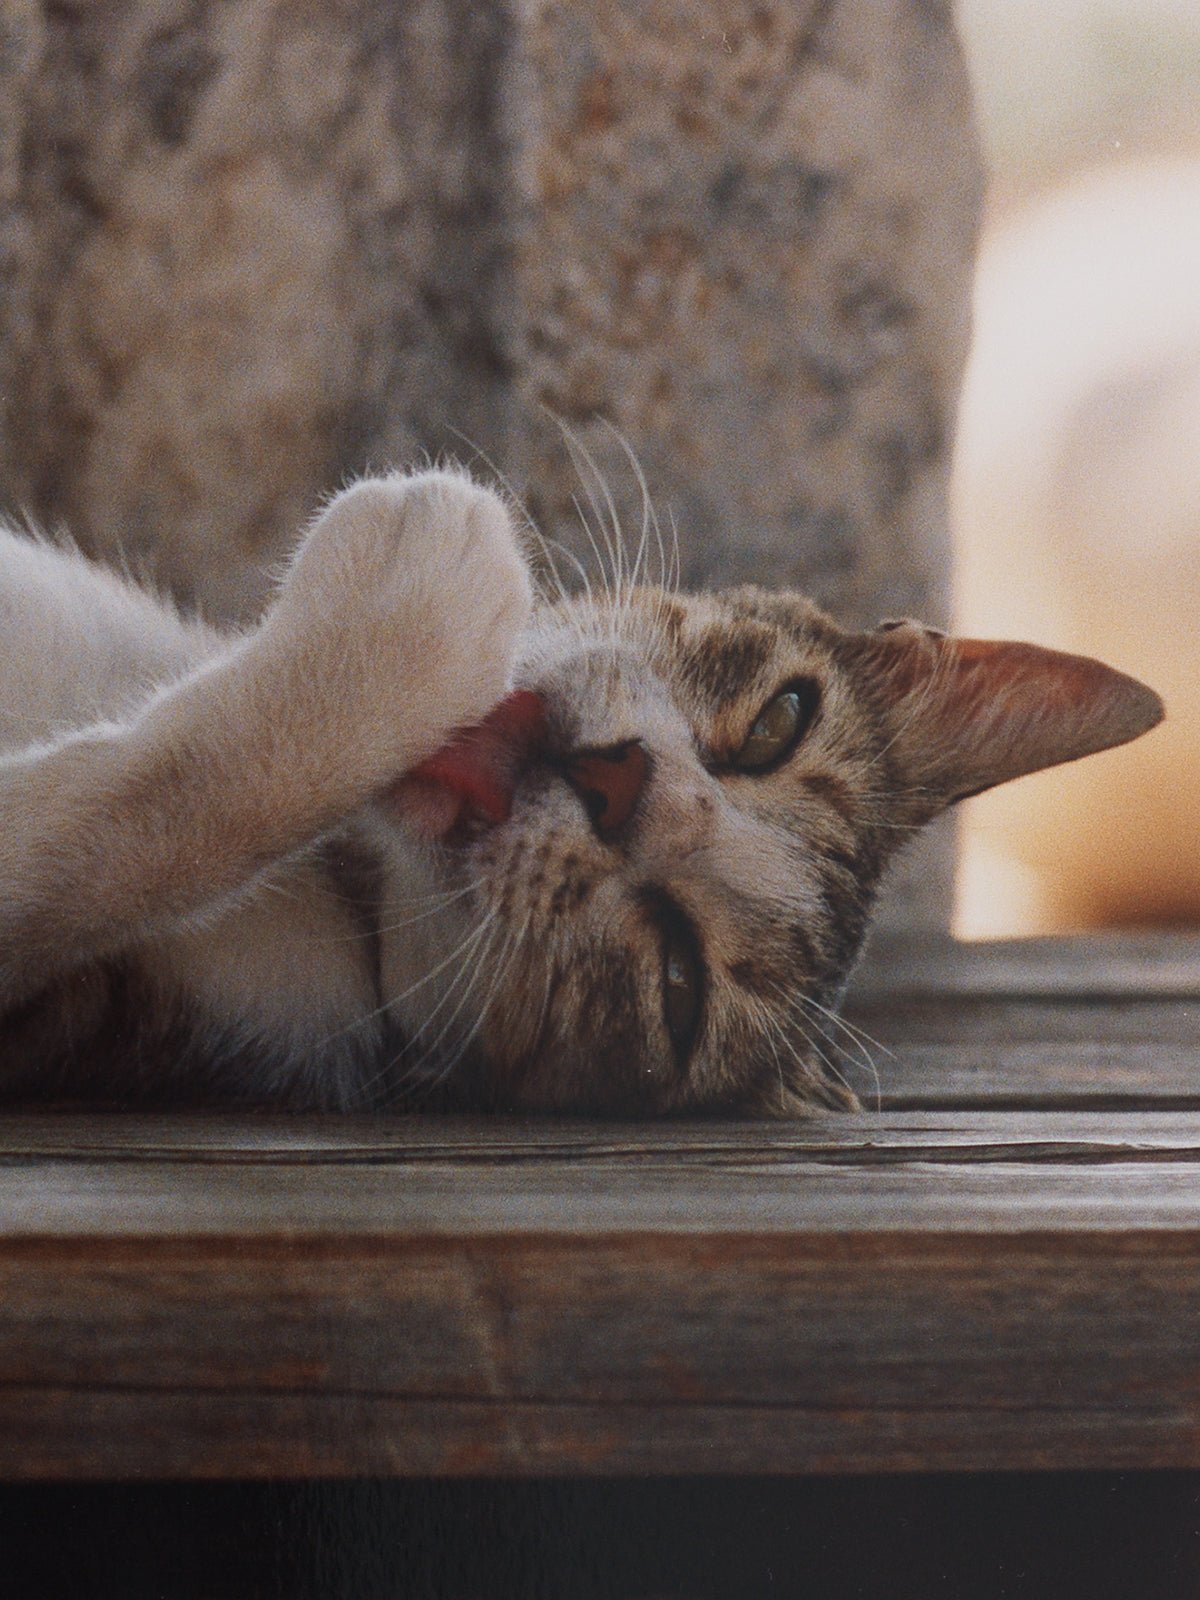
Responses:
[249,247]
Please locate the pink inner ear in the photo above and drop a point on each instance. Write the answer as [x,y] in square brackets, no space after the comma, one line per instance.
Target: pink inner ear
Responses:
[979,712]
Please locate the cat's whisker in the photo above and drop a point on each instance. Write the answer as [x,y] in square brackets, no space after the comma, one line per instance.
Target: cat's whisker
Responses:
[550,964]
[502,966]
[675,568]
[432,1049]
[801,1005]
[608,522]
[773,1028]
[775,1037]
[218,785]
[792,1004]
[797,997]
[650,520]
[547,546]
[470,955]
[830,1067]
[466,952]
[433,906]
[607,580]
[433,1066]
[459,953]
[554,550]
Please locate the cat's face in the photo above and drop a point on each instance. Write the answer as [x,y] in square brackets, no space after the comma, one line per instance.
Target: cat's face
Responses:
[672,907]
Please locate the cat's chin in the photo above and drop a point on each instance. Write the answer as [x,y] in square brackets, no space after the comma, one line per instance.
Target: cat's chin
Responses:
[468,785]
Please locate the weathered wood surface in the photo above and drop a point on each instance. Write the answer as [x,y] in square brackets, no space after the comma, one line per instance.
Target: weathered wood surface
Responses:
[938,1286]
[1111,1021]
[1100,966]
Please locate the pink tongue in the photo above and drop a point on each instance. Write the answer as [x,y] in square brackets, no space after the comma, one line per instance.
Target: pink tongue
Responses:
[474,775]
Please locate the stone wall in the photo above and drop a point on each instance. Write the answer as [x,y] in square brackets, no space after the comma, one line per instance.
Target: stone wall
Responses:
[251,246]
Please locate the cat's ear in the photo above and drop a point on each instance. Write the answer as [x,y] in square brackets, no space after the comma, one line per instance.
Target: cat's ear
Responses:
[970,713]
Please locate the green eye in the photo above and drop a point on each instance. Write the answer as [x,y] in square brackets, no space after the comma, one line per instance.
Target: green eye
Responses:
[781,724]
[682,983]
[680,992]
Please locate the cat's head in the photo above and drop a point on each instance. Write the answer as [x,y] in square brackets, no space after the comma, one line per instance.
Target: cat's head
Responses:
[671,909]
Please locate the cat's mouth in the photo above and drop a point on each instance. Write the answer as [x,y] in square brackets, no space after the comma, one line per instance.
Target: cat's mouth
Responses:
[469,784]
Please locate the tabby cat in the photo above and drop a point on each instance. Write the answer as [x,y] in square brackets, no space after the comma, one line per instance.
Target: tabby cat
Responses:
[272,867]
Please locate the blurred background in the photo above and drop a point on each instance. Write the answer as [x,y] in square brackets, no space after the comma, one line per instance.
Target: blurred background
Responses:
[1076,487]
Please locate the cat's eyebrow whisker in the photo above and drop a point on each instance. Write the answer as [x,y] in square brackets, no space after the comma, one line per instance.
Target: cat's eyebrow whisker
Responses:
[650,519]
[600,560]
[802,1005]
[833,1071]
[774,1029]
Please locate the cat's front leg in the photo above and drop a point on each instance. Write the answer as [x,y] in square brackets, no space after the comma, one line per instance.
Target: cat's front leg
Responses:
[397,622]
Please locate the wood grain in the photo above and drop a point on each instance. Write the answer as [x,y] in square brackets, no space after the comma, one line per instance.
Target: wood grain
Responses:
[944,1286]
[1105,966]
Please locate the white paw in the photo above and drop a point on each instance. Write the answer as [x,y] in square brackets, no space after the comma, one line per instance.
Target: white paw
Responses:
[407,600]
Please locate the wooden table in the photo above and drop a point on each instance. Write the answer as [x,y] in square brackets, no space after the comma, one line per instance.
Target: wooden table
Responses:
[997,1265]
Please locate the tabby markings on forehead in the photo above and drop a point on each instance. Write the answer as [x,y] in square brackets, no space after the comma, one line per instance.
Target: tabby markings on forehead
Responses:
[728,661]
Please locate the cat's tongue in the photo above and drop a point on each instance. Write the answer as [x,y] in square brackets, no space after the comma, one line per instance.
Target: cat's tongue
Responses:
[473,778]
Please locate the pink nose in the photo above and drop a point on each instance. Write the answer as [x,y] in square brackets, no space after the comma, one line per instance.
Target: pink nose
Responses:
[610,783]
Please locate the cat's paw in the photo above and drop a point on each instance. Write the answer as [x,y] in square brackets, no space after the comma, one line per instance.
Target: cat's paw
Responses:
[409,595]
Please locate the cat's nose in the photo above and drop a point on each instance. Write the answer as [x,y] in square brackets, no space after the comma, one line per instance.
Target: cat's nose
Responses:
[610,783]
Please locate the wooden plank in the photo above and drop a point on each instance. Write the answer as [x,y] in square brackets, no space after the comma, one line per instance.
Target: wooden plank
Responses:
[966,1280]
[112,1178]
[207,1296]
[68,1435]
[1102,1021]
[35,1142]
[848,1352]
[1105,965]
[1099,1076]
[968,1051]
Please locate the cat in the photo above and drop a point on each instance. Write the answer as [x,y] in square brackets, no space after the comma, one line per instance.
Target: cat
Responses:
[423,836]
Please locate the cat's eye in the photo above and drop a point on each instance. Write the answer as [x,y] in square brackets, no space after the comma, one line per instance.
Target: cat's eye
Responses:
[682,983]
[780,726]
